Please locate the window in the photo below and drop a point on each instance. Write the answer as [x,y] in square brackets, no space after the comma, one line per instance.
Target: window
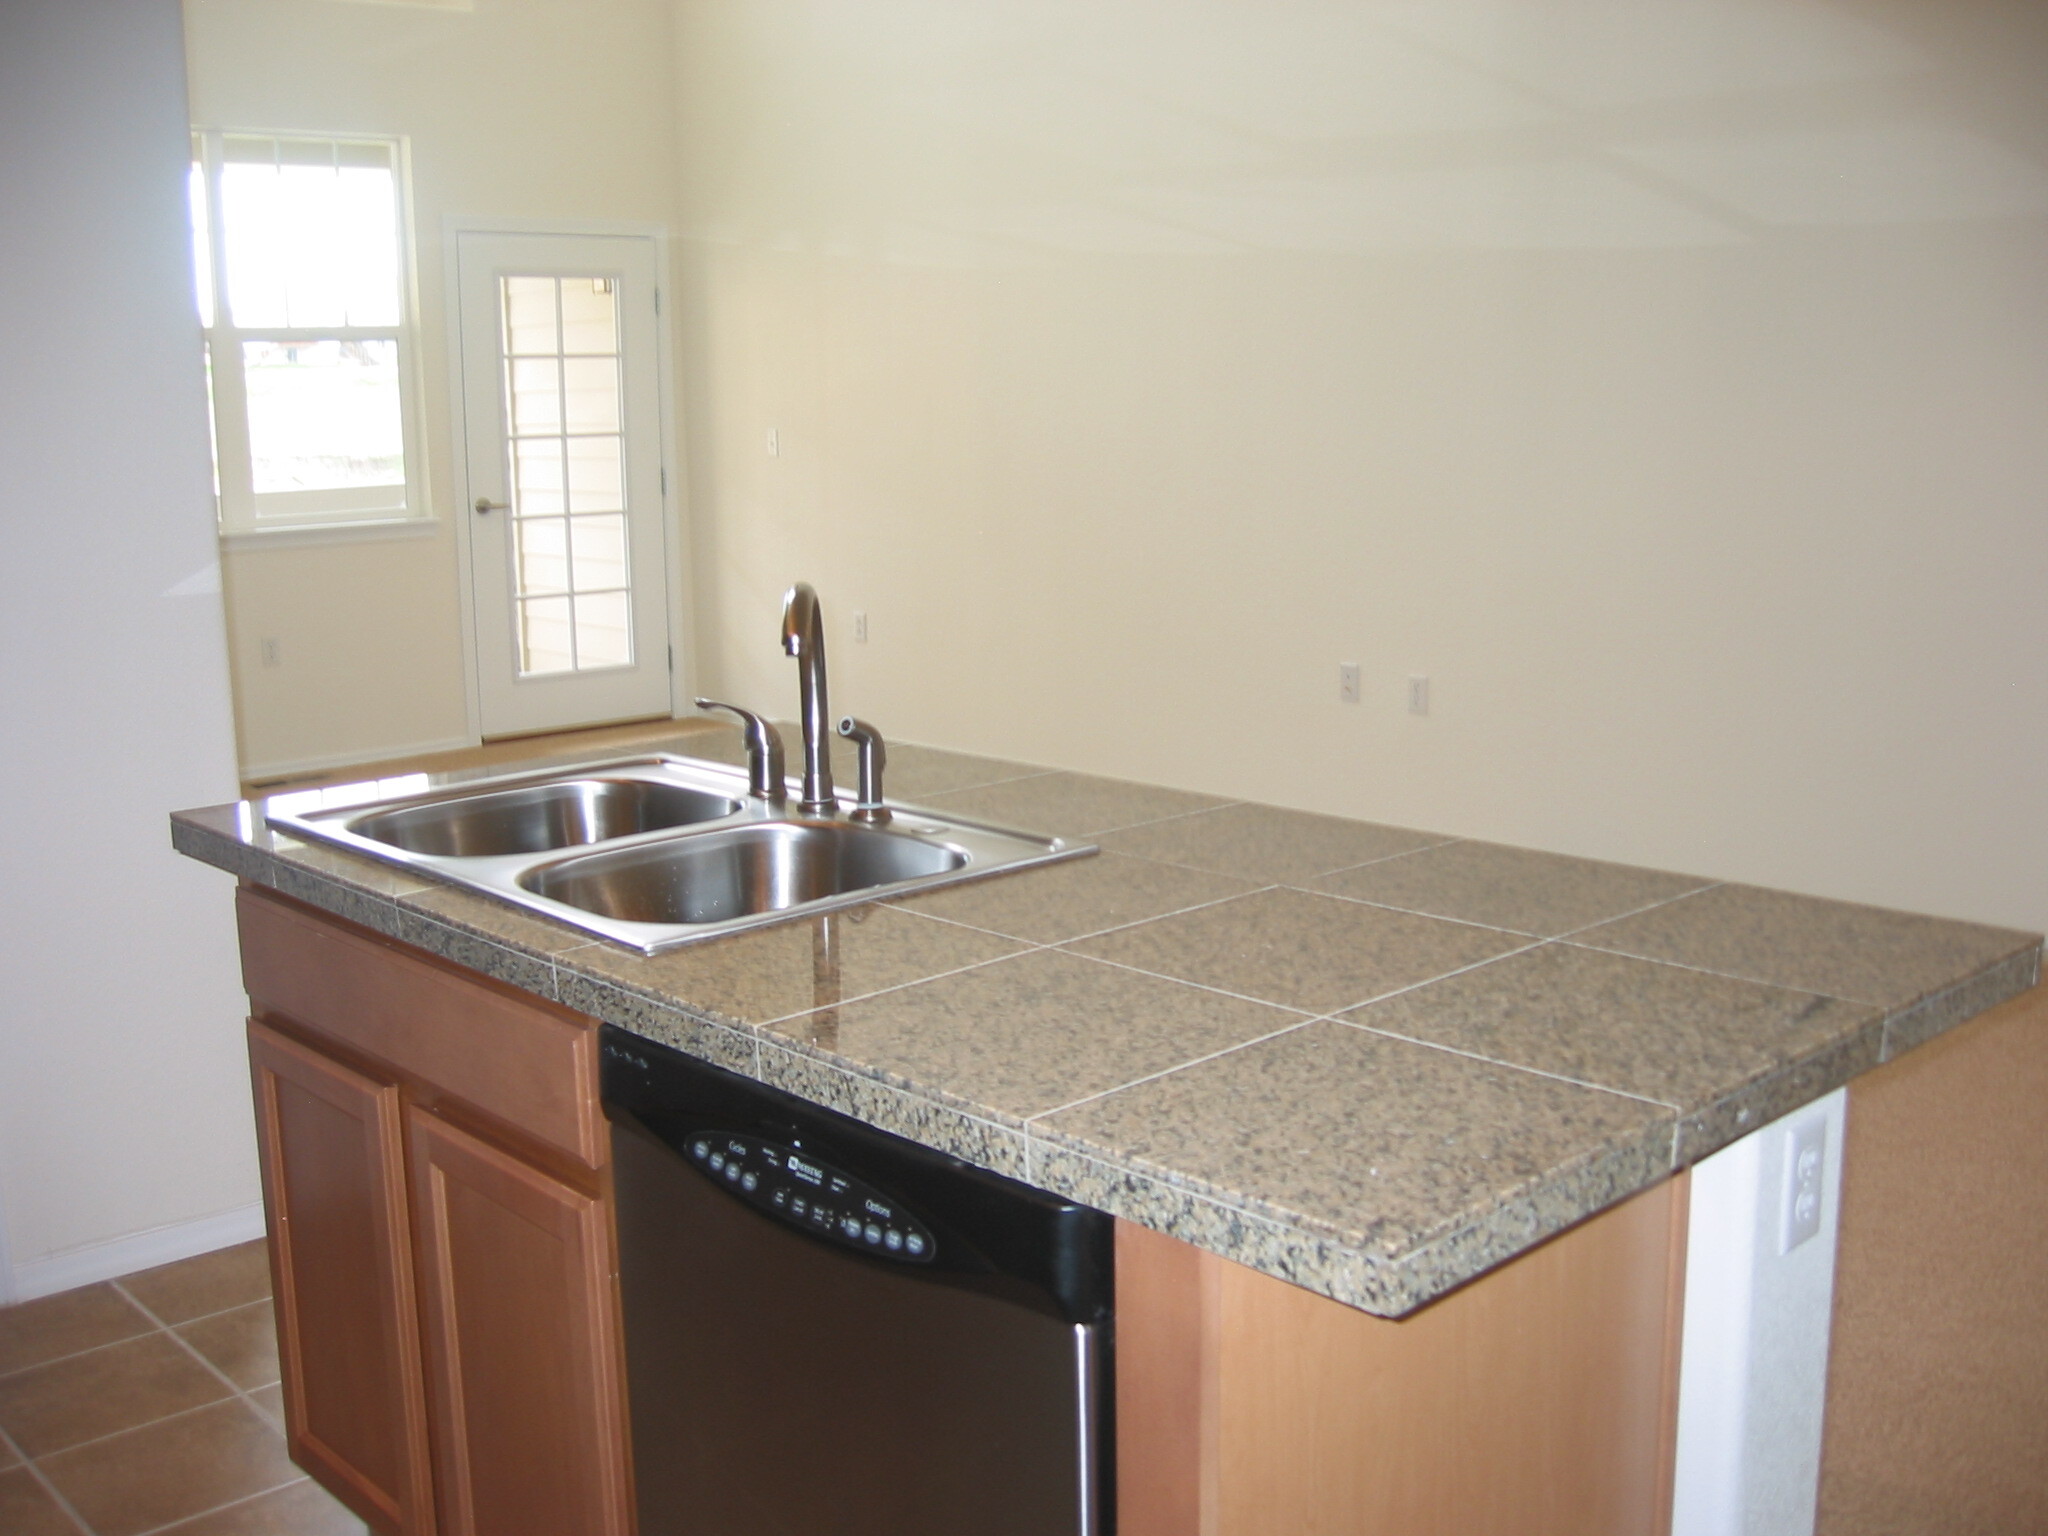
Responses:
[299,246]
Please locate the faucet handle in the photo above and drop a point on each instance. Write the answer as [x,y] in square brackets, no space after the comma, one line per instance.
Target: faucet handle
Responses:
[874,756]
[764,751]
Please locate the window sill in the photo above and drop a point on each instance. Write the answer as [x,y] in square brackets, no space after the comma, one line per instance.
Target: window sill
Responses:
[364,531]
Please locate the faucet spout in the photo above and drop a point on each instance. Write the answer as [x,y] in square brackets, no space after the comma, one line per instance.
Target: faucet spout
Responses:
[803,636]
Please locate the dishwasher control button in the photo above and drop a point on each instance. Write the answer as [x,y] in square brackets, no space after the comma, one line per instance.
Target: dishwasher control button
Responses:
[915,1243]
[700,1149]
[751,1180]
[873,1233]
[732,1171]
[718,1159]
[781,1198]
[850,1226]
[892,1239]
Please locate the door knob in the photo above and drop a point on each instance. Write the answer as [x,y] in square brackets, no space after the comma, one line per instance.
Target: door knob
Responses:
[485,504]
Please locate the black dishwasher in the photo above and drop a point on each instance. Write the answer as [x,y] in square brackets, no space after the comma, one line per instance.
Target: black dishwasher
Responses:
[831,1331]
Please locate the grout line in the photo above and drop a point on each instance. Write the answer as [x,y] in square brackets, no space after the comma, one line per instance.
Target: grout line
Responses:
[1430,981]
[901,986]
[1180,1066]
[1388,906]
[76,1354]
[290,1482]
[1092,933]
[1309,1015]
[1385,858]
[42,1481]
[1514,1066]
[246,1400]
[1889,1010]
[1698,890]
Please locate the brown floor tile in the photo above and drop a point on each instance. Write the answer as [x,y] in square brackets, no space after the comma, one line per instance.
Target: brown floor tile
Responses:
[55,1326]
[303,1509]
[241,1343]
[211,1282]
[171,1470]
[26,1510]
[67,1402]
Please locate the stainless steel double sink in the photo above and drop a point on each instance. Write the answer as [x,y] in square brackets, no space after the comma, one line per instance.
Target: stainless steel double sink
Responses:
[654,852]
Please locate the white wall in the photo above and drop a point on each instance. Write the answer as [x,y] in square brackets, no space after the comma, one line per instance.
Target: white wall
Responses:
[1667,382]
[125,1134]
[545,110]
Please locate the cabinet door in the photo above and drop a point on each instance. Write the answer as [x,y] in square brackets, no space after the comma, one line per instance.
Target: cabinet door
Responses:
[334,1185]
[521,1319]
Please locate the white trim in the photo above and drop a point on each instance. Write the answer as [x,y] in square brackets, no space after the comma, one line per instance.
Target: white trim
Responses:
[139,1250]
[366,532]
[1752,1383]
[254,771]
[682,672]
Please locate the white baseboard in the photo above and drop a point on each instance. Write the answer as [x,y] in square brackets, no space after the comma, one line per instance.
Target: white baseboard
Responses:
[139,1250]
[286,767]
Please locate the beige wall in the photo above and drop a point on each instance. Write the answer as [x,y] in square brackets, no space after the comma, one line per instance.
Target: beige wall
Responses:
[548,110]
[1665,382]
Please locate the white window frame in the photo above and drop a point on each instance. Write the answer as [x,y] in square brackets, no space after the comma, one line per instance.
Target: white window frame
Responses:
[364,511]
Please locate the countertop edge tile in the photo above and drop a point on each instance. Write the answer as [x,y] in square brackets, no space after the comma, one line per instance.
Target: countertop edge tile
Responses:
[1244,1237]
[461,946]
[1942,1010]
[1777,1092]
[976,1139]
[707,1039]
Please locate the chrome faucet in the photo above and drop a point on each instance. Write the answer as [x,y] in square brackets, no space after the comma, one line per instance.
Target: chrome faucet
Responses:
[764,751]
[803,636]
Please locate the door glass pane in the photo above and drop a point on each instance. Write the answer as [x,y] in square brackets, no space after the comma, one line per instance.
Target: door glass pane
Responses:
[600,546]
[590,387]
[536,396]
[545,643]
[563,396]
[537,477]
[590,316]
[602,636]
[530,316]
[596,476]
[543,555]
[324,415]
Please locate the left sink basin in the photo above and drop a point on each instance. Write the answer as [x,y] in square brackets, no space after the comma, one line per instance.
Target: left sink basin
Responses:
[540,818]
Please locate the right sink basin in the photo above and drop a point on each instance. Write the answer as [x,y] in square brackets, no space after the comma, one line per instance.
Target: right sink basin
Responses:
[737,872]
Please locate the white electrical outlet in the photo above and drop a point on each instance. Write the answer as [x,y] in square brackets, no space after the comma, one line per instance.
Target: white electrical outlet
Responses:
[860,627]
[1347,682]
[1418,695]
[1806,1156]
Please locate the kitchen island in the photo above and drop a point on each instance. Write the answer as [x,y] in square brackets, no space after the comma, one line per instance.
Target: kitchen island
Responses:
[1370,1062]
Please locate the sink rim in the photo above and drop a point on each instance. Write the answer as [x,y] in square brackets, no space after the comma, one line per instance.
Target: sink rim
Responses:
[324,816]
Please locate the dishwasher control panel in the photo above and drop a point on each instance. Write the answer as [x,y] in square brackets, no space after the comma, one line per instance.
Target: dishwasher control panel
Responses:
[792,1185]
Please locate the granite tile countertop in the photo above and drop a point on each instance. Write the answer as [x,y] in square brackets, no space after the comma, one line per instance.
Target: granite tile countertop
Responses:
[1369,1060]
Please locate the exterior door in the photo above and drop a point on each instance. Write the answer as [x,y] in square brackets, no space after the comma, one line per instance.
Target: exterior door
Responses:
[561,390]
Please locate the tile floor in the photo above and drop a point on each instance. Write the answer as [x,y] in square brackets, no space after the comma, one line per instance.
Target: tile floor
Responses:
[150,1405]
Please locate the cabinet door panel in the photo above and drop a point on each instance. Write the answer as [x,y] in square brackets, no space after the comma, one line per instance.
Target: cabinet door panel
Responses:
[520,1310]
[334,1185]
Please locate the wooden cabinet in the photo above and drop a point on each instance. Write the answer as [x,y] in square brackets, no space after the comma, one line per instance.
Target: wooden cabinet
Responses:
[434,1171]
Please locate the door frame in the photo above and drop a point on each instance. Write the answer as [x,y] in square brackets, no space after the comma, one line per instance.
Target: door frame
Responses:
[677,576]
